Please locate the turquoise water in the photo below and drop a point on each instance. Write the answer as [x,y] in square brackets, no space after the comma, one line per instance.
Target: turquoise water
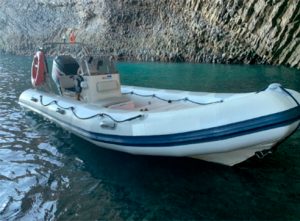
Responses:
[48,174]
[207,77]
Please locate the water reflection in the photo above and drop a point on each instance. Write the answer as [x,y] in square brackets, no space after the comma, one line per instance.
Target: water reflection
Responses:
[26,161]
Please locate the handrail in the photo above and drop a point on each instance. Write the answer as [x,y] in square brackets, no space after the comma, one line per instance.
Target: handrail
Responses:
[80,51]
[88,50]
[85,48]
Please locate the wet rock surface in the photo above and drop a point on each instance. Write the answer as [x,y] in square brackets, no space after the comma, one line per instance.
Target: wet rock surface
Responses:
[218,31]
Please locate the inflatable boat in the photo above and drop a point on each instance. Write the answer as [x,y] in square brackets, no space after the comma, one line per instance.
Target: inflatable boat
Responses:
[224,128]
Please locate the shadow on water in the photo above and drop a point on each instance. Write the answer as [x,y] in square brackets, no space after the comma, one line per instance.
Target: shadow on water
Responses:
[163,188]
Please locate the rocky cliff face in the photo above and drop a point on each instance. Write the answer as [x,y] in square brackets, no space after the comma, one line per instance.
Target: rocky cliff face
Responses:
[221,31]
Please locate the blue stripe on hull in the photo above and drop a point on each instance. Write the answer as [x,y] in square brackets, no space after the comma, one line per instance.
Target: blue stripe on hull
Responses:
[258,124]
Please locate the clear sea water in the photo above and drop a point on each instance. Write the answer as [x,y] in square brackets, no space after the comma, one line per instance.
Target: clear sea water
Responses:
[47,173]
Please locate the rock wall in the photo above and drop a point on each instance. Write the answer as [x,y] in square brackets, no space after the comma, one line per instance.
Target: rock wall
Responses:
[219,31]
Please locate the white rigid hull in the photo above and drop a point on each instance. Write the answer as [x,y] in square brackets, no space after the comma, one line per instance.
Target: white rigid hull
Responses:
[226,132]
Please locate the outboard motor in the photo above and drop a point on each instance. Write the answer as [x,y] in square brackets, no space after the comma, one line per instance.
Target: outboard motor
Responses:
[64,74]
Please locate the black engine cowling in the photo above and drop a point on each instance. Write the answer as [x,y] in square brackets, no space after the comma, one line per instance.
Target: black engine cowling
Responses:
[64,73]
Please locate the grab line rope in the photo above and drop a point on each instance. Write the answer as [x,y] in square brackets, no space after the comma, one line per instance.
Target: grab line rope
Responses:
[289,94]
[90,117]
[169,100]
